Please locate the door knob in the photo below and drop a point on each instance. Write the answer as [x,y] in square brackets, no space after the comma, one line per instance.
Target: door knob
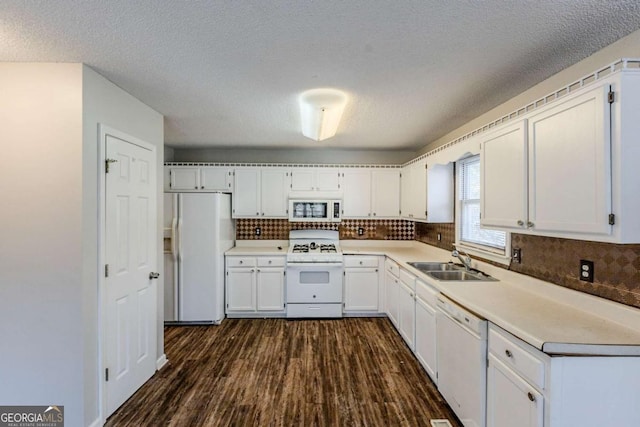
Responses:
[153,275]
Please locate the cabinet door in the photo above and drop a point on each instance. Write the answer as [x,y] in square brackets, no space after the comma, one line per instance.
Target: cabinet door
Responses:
[385,193]
[327,179]
[240,289]
[503,177]
[414,191]
[405,191]
[407,315]
[303,179]
[215,178]
[391,297]
[184,178]
[569,166]
[246,197]
[356,185]
[440,193]
[511,401]
[270,289]
[426,337]
[361,289]
[274,191]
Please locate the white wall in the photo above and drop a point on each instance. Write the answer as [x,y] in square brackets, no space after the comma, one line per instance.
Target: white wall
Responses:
[41,237]
[106,103]
[48,229]
[626,47]
[318,156]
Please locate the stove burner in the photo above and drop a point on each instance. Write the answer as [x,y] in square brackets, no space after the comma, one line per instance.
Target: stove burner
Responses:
[330,248]
[313,246]
[298,248]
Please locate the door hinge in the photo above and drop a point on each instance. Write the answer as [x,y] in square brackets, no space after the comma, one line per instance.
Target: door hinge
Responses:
[612,219]
[106,374]
[106,270]
[106,164]
[611,96]
[425,214]
[426,166]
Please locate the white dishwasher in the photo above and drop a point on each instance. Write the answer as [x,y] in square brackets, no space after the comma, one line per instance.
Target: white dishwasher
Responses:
[462,361]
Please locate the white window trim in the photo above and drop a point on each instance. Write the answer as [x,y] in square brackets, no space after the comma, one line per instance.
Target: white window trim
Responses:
[486,252]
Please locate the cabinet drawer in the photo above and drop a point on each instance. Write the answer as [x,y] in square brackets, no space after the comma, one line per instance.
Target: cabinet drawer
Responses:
[360,261]
[276,261]
[426,293]
[240,261]
[506,348]
[392,267]
[408,279]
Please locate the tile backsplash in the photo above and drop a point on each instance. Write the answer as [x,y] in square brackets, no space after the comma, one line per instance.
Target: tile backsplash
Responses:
[440,235]
[616,267]
[278,229]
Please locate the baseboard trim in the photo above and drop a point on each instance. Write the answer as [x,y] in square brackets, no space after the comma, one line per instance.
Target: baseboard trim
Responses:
[162,360]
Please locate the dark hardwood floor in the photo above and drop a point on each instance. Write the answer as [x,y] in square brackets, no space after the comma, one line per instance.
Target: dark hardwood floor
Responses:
[275,372]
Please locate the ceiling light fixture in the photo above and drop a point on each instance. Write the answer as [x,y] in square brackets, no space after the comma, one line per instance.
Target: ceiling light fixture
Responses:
[321,110]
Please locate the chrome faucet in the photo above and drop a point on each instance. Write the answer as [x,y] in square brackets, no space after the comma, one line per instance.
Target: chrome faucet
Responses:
[466,260]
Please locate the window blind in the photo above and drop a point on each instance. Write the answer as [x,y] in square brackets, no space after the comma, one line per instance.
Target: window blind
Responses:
[469,195]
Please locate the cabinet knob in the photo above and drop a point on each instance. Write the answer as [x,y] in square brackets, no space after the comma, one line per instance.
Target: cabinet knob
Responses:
[360,262]
[252,270]
[374,214]
[530,224]
[531,397]
[269,261]
[508,353]
[240,262]
[520,222]
[202,187]
[262,213]
[196,187]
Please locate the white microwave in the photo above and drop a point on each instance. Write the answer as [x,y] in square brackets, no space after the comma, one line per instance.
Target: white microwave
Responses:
[313,210]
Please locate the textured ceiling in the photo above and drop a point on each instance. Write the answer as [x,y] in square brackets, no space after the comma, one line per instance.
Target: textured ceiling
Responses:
[227,73]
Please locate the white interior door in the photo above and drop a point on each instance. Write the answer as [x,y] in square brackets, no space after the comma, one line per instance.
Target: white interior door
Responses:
[130,253]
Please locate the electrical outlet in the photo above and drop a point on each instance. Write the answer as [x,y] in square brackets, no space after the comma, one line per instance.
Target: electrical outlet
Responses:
[258,231]
[360,231]
[439,237]
[586,270]
[516,255]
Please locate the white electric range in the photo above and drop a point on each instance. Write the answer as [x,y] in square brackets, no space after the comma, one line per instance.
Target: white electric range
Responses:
[314,274]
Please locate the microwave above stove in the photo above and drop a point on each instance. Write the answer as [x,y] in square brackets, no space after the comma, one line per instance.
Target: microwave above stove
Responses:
[314,210]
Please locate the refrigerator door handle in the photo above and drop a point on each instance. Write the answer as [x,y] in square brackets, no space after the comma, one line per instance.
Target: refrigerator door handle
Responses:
[179,275]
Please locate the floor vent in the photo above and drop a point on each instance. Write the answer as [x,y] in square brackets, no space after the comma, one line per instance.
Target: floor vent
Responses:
[440,423]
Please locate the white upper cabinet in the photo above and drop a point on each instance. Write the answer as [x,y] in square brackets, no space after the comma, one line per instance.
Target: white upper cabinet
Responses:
[503,172]
[198,178]
[570,166]
[260,192]
[427,192]
[216,178]
[385,197]
[315,179]
[356,185]
[371,192]
[551,173]
[246,198]
[274,191]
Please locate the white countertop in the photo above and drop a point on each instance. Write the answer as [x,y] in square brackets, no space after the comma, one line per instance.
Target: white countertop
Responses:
[551,318]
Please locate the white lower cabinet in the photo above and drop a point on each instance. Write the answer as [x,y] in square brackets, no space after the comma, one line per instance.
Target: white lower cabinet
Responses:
[255,286]
[526,387]
[510,399]
[407,308]
[361,285]
[425,333]
[392,285]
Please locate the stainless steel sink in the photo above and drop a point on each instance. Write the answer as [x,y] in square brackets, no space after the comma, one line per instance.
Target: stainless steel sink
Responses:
[450,272]
[461,275]
[433,266]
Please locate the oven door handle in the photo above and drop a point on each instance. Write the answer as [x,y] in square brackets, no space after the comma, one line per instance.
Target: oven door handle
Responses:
[314,264]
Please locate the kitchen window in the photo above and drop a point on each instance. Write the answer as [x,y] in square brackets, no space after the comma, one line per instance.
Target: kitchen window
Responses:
[470,236]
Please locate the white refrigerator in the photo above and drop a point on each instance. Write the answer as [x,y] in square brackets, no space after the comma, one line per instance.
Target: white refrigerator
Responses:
[198,231]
